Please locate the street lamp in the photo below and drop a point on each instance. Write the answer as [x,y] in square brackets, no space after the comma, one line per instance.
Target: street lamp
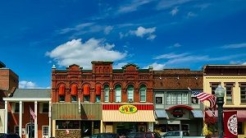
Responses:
[220,93]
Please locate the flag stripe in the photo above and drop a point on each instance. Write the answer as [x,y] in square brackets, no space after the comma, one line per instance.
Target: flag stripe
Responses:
[32,113]
[202,96]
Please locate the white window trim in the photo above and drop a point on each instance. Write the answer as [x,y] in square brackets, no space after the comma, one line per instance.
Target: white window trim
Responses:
[43,131]
[145,93]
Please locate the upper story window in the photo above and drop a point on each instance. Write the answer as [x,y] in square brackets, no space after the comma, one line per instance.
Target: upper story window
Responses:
[61,92]
[177,98]
[118,93]
[158,100]
[213,86]
[86,93]
[229,93]
[142,92]
[74,92]
[106,93]
[44,108]
[243,92]
[130,93]
[98,93]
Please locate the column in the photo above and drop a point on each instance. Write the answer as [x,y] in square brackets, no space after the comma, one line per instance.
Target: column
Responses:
[49,119]
[20,118]
[6,118]
[36,119]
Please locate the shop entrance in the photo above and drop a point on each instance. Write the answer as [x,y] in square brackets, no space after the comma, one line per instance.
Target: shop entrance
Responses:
[127,127]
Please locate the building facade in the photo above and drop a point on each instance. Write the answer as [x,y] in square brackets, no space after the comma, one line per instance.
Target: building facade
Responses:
[175,107]
[233,79]
[102,99]
[21,105]
[9,81]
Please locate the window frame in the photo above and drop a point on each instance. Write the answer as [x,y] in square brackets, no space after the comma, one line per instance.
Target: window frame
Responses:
[118,93]
[229,89]
[43,130]
[106,93]
[242,90]
[143,93]
[130,93]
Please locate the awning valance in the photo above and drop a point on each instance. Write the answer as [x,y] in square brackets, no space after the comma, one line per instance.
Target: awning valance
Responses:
[117,116]
[98,89]
[161,114]
[197,113]
[180,106]
[74,90]
[61,90]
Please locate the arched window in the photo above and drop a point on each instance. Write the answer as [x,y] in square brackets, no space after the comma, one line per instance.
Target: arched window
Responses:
[106,93]
[74,92]
[142,92]
[130,93]
[61,93]
[118,93]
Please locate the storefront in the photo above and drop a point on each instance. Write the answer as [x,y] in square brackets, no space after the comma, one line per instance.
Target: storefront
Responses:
[124,118]
[75,119]
[179,117]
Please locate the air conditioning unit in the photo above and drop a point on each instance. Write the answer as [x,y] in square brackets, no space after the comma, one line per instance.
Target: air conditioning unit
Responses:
[130,100]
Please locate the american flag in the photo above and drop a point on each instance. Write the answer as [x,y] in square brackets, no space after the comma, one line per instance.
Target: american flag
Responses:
[202,96]
[32,113]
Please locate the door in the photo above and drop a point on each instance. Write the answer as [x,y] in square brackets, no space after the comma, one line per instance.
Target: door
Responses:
[30,130]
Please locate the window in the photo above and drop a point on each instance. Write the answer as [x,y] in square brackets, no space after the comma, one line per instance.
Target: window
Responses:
[16,107]
[130,91]
[98,98]
[16,129]
[143,93]
[74,98]
[194,100]
[68,124]
[106,93]
[45,130]
[229,90]
[158,100]
[118,93]
[243,92]
[213,86]
[177,98]
[45,108]
[86,98]
[61,98]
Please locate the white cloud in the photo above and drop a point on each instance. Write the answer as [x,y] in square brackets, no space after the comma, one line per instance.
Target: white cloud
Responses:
[176,45]
[170,56]
[76,28]
[141,32]
[174,11]
[108,29]
[27,85]
[133,6]
[120,65]
[191,14]
[77,52]
[156,66]
[234,46]
[165,4]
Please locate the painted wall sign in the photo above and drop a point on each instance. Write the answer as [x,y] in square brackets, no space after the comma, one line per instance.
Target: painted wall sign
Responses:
[128,109]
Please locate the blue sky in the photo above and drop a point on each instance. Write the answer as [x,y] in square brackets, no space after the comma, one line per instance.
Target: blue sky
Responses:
[161,33]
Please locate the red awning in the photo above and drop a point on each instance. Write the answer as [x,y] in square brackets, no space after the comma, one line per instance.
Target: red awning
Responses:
[74,90]
[241,117]
[180,106]
[86,90]
[61,90]
[98,89]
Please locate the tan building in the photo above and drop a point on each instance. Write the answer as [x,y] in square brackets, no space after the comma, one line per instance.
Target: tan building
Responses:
[233,79]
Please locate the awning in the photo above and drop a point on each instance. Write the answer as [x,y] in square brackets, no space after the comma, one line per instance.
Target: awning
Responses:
[197,113]
[180,106]
[241,117]
[161,114]
[117,116]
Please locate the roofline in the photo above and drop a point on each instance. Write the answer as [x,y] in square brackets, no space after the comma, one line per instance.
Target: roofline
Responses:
[26,99]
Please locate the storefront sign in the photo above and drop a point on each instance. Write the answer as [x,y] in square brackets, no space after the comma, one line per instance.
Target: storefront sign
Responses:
[74,116]
[128,109]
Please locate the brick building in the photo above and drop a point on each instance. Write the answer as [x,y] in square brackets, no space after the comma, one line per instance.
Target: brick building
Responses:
[9,81]
[102,99]
[175,107]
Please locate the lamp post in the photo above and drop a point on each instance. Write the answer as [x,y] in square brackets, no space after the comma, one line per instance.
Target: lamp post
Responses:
[220,93]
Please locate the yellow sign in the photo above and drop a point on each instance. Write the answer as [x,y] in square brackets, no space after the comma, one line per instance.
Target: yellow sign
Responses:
[128,109]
